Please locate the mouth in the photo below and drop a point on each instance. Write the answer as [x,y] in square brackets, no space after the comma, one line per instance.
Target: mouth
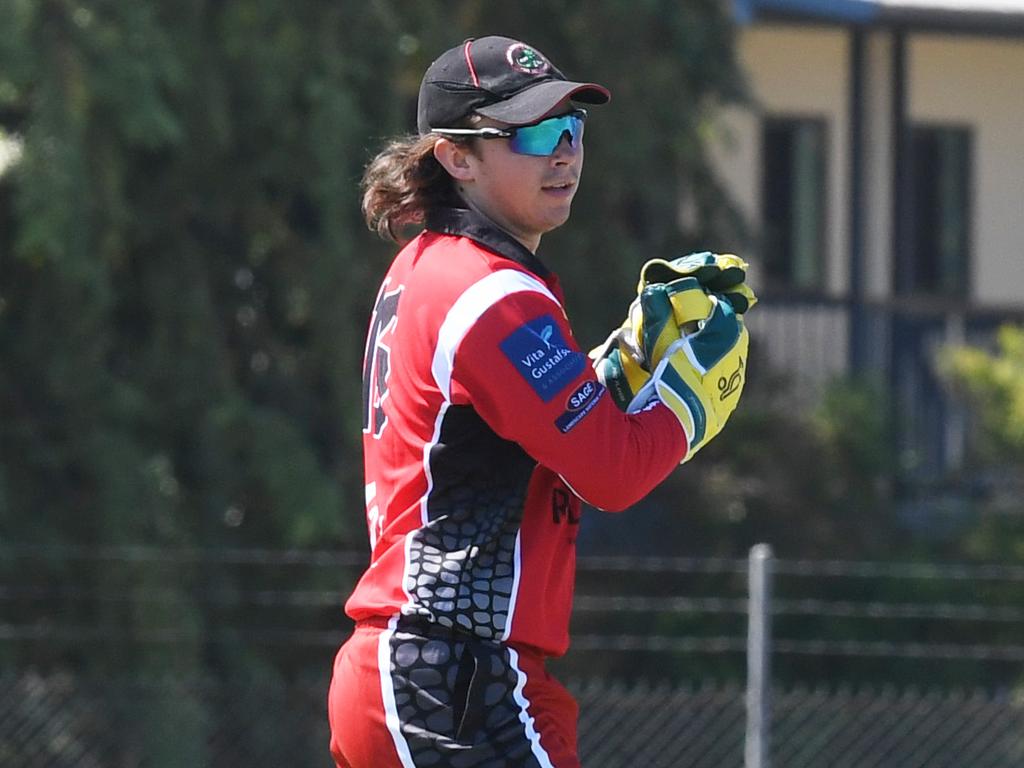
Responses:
[560,186]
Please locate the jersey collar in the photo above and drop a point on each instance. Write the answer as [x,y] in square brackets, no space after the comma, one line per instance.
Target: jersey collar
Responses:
[478,228]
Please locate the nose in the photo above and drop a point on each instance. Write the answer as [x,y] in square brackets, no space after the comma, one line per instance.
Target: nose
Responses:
[566,149]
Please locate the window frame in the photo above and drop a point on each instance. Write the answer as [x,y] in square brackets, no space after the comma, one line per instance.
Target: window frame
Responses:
[913,284]
[823,123]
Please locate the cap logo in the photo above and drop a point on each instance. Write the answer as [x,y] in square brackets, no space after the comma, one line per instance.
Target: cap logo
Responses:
[523,58]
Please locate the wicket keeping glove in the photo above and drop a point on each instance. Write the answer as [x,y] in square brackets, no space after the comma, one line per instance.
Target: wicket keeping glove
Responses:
[719,273]
[701,375]
[625,361]
[633,350]
[617,367]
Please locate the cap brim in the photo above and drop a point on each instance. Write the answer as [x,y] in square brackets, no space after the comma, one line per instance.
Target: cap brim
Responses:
[533,103]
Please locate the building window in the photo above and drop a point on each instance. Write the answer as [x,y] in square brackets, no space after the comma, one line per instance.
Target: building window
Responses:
[940,209]
[793,201]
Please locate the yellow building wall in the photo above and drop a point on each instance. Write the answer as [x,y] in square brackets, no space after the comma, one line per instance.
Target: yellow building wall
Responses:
[972,81]
[979,83]
[798,71]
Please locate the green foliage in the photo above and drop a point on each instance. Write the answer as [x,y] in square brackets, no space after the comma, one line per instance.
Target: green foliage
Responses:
[168,263]
[814,483]
[993,382]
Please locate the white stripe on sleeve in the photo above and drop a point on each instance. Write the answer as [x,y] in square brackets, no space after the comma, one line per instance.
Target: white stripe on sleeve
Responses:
[468,308]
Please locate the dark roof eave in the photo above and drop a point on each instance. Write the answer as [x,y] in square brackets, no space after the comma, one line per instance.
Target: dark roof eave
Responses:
[864,14]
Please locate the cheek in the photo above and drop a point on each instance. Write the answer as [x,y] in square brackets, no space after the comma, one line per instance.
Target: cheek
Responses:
[512,182]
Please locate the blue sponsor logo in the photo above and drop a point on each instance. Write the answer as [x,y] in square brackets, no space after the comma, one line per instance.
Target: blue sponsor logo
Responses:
[579,404]
[541,355]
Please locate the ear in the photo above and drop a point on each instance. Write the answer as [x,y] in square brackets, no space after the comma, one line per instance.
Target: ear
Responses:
[455,158]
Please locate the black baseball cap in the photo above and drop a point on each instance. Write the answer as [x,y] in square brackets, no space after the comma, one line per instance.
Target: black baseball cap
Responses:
[497,77]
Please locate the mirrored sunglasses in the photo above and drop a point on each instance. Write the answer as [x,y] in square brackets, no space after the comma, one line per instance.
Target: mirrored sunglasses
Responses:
[539,139]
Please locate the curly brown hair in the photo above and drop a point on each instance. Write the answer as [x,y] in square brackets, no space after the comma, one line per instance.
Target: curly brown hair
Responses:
[402,183]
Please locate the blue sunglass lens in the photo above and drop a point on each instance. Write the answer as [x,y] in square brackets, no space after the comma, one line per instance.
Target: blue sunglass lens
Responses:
[543,138]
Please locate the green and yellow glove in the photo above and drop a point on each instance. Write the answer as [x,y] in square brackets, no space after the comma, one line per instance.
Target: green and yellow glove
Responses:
[618,368]
[723,274]
[625,361]
[701,375]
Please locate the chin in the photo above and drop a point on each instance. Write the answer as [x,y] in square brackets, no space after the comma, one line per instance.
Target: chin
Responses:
[559,217]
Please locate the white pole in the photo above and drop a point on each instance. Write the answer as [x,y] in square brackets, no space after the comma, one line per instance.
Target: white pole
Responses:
[759,636]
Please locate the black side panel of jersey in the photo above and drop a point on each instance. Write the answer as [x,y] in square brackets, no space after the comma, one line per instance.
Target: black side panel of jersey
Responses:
[468,452]
[462,562]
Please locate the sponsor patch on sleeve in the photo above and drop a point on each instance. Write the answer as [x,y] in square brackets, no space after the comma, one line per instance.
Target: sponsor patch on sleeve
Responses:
[580,403]
[541,355]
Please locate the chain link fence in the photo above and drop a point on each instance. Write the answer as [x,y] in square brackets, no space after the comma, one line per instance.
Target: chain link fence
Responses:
[61,721]
[867,665]
[682,727]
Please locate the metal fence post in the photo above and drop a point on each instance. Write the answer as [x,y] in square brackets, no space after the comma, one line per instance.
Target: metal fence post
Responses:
[759,636]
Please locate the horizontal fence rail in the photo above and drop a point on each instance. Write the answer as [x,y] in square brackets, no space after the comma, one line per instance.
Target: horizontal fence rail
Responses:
[604,564]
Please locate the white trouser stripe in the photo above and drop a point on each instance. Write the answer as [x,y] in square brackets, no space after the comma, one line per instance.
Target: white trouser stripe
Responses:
[524,715]
[387,690]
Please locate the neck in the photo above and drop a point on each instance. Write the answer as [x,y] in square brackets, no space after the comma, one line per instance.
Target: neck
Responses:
[531,243]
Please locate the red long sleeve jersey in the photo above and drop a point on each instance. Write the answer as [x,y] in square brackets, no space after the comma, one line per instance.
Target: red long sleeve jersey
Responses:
[483,427]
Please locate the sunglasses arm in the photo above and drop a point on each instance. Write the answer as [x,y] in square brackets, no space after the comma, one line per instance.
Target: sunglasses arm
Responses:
[483,133]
